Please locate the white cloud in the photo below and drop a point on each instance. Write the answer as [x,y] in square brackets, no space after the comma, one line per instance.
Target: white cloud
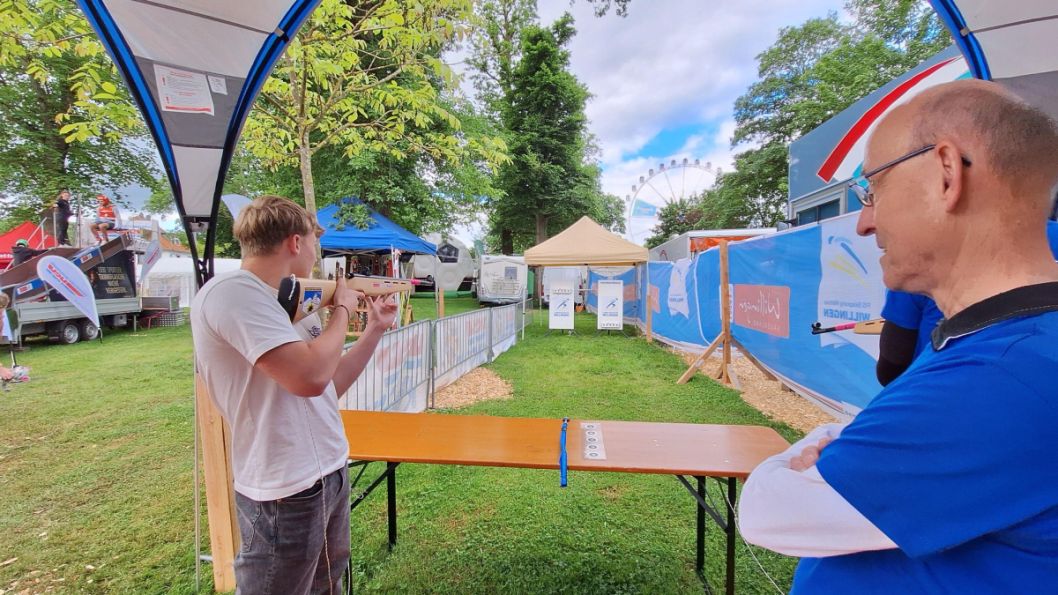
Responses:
[670,64]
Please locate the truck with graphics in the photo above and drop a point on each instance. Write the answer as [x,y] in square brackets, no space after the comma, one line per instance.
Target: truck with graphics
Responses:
[41,310]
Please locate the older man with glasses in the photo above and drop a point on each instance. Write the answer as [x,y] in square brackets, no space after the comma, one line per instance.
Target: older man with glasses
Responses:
[946,481]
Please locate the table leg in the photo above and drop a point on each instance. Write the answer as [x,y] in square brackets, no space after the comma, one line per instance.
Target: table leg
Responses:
[700,560]
[391,502]
[730,530]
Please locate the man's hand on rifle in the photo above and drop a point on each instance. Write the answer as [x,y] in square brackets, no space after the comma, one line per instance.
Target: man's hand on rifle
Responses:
[344,296]
[382,311]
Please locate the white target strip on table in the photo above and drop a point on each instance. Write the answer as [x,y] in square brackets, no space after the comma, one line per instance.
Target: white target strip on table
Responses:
[594,448]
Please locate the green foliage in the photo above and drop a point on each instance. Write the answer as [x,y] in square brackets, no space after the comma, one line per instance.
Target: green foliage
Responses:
[496,48]
[812,72]
[550,181]
[66,120]
[676,217]
[364,81]
[356,214]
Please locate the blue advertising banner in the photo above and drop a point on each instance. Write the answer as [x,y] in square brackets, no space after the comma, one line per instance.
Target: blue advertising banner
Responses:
[782,284]
[675,315]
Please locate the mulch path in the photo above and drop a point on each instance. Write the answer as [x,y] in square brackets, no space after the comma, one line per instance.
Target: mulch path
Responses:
[766,396]
[480,384]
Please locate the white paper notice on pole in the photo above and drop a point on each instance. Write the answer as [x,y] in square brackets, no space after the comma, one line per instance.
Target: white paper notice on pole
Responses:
[66,278]
[183,91]
[560,302]
[611,305]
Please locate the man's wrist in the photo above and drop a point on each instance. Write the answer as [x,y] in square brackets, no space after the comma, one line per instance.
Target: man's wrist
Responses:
[348,312]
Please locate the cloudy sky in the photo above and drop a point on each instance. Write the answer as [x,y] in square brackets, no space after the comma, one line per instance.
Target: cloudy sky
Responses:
[664,80]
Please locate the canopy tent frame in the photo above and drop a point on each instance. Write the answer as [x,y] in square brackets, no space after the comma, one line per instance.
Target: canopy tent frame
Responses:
[114,41]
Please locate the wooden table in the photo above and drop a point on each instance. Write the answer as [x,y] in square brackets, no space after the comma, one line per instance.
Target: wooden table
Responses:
[725,453]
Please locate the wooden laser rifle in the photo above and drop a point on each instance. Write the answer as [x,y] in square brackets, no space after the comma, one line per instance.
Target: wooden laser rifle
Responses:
[867,327]
[300,297]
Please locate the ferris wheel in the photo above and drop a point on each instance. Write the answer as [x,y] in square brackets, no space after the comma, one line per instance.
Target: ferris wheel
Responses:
[667,184]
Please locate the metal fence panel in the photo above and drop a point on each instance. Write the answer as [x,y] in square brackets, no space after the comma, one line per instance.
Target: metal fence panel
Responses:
[397,377]
[504,328]
[461,343]
[411,363]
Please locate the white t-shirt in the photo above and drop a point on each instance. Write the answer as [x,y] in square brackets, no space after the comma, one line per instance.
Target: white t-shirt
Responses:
[281,443]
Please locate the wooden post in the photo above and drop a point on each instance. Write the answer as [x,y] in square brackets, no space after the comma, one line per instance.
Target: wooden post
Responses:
[220,492]
[408,316]
[440,299]
[725,313]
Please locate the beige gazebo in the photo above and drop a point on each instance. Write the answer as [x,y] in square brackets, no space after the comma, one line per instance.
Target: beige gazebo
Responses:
[585,243]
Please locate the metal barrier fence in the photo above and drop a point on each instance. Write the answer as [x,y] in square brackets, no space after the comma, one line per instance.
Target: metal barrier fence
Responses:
[412,362]
[397,377]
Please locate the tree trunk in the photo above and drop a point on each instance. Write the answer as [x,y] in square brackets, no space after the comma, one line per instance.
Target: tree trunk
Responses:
[541,236]
[309,188]
[541,228]
[506,242]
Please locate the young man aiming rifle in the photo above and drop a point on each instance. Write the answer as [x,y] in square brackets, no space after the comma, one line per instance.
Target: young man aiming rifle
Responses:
[276,384]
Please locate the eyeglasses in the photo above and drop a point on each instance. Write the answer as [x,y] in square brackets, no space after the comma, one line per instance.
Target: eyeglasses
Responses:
[861,185]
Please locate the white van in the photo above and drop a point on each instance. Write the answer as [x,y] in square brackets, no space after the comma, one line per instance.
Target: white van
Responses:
[502,279]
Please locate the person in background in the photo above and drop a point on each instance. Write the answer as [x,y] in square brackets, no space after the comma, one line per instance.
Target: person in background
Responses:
[22,252]
[9,322]
[945,482]
[909,323]
[106,219]
[62,218]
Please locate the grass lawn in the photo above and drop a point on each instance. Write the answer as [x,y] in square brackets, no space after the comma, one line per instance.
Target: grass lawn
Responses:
[424,307]
[96,479]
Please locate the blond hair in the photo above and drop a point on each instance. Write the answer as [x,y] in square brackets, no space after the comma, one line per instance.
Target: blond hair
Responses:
[5,300]
[267,221]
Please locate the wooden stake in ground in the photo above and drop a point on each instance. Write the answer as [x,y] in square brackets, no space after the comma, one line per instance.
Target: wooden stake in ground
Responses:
[220,496]
[725,313]
[724,339]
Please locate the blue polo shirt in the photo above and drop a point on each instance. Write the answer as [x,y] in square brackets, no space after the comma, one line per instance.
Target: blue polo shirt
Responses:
[955,461]
[912,311]
[919,312]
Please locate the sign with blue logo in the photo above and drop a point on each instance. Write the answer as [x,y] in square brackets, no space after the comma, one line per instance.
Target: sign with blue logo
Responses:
[560,314]
[611,306]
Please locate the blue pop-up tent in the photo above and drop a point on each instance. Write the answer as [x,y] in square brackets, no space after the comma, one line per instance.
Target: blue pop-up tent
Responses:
[381,236]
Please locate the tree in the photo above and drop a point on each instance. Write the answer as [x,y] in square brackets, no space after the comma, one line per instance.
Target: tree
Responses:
[679,216]
[66,120]
[753,194]
[551,180]
[544,115]
[812,72]
[365,77]
[496,48]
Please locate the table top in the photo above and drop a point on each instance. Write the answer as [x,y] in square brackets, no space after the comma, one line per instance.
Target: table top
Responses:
[630,446]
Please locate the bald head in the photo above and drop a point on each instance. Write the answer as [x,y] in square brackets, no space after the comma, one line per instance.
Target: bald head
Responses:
[1015,141]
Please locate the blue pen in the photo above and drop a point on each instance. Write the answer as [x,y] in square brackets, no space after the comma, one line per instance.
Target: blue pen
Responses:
[562,453]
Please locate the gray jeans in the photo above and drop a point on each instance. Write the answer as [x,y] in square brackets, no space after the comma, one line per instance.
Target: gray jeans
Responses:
[286,543]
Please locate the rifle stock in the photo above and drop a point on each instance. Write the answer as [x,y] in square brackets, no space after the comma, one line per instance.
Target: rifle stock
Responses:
[300,297]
